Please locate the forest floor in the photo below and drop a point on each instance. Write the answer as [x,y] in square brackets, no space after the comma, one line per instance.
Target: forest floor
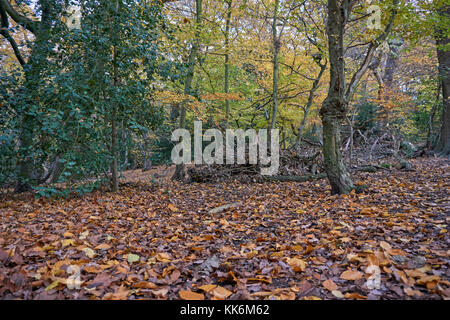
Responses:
[274,241]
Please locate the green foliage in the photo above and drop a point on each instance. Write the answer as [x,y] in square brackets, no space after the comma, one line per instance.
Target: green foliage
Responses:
[78,82]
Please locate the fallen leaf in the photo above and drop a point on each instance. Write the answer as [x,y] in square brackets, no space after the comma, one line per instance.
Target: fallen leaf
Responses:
[351,275]
[330,285]
[297,264]
[131,258]
[189,295]
[89,252]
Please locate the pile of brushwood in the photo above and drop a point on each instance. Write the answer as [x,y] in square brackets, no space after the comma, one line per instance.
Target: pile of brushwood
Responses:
[305,163]
[293,163]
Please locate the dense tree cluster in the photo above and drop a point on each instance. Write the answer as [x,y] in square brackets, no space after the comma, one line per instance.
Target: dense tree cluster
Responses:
[81,104]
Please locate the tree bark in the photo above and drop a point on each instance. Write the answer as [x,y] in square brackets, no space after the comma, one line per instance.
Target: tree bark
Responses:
[443,53]
[432,115]
[334,107]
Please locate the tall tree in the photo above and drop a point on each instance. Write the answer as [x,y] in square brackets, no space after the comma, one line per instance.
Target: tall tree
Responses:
[32,70]
[334,107]
[442,35]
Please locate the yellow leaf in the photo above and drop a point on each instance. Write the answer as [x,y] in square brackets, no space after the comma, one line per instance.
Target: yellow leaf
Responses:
[163,257]
[298,265]
[68,242]
[312,298]
[54,284]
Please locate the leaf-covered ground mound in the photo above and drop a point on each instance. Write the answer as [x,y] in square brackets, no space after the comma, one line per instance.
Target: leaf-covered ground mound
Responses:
[234,241]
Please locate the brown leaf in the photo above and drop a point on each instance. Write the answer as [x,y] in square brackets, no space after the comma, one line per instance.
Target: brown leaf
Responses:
[330,285]
[145,285]
[351,275]
[189,295]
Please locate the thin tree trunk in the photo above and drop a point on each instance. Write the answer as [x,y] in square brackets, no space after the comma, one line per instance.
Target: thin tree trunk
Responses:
[313,90]
[276,50]
[227,60]
[179,171]
[114,165]
[432,115]
[147,153]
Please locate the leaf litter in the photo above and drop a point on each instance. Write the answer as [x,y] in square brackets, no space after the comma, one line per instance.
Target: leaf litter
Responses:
[283,241]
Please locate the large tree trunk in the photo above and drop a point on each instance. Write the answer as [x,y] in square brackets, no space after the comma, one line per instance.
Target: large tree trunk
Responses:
[335,106]
[443,53]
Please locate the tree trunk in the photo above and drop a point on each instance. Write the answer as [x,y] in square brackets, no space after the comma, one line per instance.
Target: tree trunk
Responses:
[432,115]
[443,53]
[147,154]
[313,90]
[114,165]
[179,171]
[227,60]
[335,106]
[276,50]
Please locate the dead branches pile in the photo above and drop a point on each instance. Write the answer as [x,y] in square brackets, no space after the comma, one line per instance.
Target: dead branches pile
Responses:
[291,164]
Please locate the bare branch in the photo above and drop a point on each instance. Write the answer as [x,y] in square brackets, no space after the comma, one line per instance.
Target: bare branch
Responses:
[25,22]
[370,52]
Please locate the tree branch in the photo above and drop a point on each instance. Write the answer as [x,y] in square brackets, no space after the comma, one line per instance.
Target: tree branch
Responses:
[370,52]
[4,31]
[25,22]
